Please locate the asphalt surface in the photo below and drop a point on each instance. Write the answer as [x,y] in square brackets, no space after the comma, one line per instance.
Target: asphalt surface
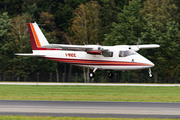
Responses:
[90,109]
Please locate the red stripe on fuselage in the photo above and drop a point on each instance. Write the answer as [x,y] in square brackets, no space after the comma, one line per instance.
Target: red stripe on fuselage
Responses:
[97,62]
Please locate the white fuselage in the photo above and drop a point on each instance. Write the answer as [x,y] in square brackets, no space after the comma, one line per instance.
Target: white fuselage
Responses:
[114,62]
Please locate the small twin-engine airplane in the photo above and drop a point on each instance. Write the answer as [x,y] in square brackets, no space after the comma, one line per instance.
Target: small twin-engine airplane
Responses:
[119,57]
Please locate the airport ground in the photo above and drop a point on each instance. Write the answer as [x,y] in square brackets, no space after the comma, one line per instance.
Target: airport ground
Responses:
[129,93]
[71,118]
[92,92]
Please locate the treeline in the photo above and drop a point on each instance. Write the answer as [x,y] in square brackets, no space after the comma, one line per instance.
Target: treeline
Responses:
[105,22]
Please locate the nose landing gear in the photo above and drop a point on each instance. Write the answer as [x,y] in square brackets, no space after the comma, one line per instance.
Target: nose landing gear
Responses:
[150,73]
[91,74]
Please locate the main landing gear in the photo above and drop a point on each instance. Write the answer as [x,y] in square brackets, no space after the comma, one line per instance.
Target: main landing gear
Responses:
[92,74]
[109,74]
[150,73]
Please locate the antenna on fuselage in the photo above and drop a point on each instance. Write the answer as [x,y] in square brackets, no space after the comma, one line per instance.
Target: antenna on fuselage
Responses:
[139,41]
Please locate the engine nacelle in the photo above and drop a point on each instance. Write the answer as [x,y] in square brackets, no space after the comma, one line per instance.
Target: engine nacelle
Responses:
[135,48]
[126,47]
[95,52]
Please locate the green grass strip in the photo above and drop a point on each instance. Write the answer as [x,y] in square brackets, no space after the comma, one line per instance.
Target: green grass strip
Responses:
[90,93]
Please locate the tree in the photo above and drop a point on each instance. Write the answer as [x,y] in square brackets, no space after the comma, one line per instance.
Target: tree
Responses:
[33,11]
[48,20]
[128,28]
[161,11]
[13,7]
[160,25]
[20,43]
[86,25]
[5,26]
[19,33]
[167,56]
[63,12]
[110,10]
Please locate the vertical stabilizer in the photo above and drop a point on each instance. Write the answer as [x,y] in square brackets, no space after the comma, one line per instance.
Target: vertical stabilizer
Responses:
[36,36]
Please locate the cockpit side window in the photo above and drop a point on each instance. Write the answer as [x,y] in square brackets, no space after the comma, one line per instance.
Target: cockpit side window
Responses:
[126,53]
[107,54]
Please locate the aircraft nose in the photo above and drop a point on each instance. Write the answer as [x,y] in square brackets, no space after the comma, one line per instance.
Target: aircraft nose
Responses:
[147,62]
[152,64]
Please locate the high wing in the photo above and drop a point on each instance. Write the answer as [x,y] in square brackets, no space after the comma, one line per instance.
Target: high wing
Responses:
[90,49]
[69,47]
[35,55]
[138,47]
[147,46]
[98,49]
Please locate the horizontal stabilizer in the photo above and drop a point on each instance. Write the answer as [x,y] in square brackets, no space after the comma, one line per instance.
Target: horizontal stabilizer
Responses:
[24,54]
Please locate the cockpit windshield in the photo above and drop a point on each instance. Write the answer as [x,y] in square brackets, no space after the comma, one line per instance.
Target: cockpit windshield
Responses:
[125,53]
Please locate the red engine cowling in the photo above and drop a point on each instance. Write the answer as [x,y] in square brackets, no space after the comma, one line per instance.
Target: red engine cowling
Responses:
[95,52]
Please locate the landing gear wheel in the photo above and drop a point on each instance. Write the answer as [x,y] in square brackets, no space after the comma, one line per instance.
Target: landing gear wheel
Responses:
[150,73]
[110,74]
[91,74]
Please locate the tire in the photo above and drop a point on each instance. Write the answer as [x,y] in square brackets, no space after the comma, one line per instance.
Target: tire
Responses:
[91,75]
[151,75]
[110,75]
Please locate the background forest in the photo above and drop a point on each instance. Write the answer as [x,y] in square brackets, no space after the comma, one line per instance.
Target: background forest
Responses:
[105,22]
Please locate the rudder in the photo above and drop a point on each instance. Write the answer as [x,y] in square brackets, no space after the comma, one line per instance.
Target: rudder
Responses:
[37,38]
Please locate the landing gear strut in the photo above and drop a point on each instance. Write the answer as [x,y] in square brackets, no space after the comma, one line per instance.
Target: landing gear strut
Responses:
[92,74]
[109,74]
[150,73]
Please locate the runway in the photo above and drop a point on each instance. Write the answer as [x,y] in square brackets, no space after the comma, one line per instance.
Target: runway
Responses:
[90,109]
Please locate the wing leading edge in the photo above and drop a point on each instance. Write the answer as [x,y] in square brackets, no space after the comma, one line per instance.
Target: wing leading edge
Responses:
[147,46]
[90,49]
[69,47]
[35,55]
[138,47]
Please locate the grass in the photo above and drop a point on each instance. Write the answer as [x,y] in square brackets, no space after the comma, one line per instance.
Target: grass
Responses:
[90,93]
[72,118]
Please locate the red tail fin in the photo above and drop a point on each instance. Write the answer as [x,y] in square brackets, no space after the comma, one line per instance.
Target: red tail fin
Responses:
[36,36]
[33,42]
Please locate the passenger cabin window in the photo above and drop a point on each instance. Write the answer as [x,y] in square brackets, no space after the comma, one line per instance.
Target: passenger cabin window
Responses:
[107,54]
[126,53]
